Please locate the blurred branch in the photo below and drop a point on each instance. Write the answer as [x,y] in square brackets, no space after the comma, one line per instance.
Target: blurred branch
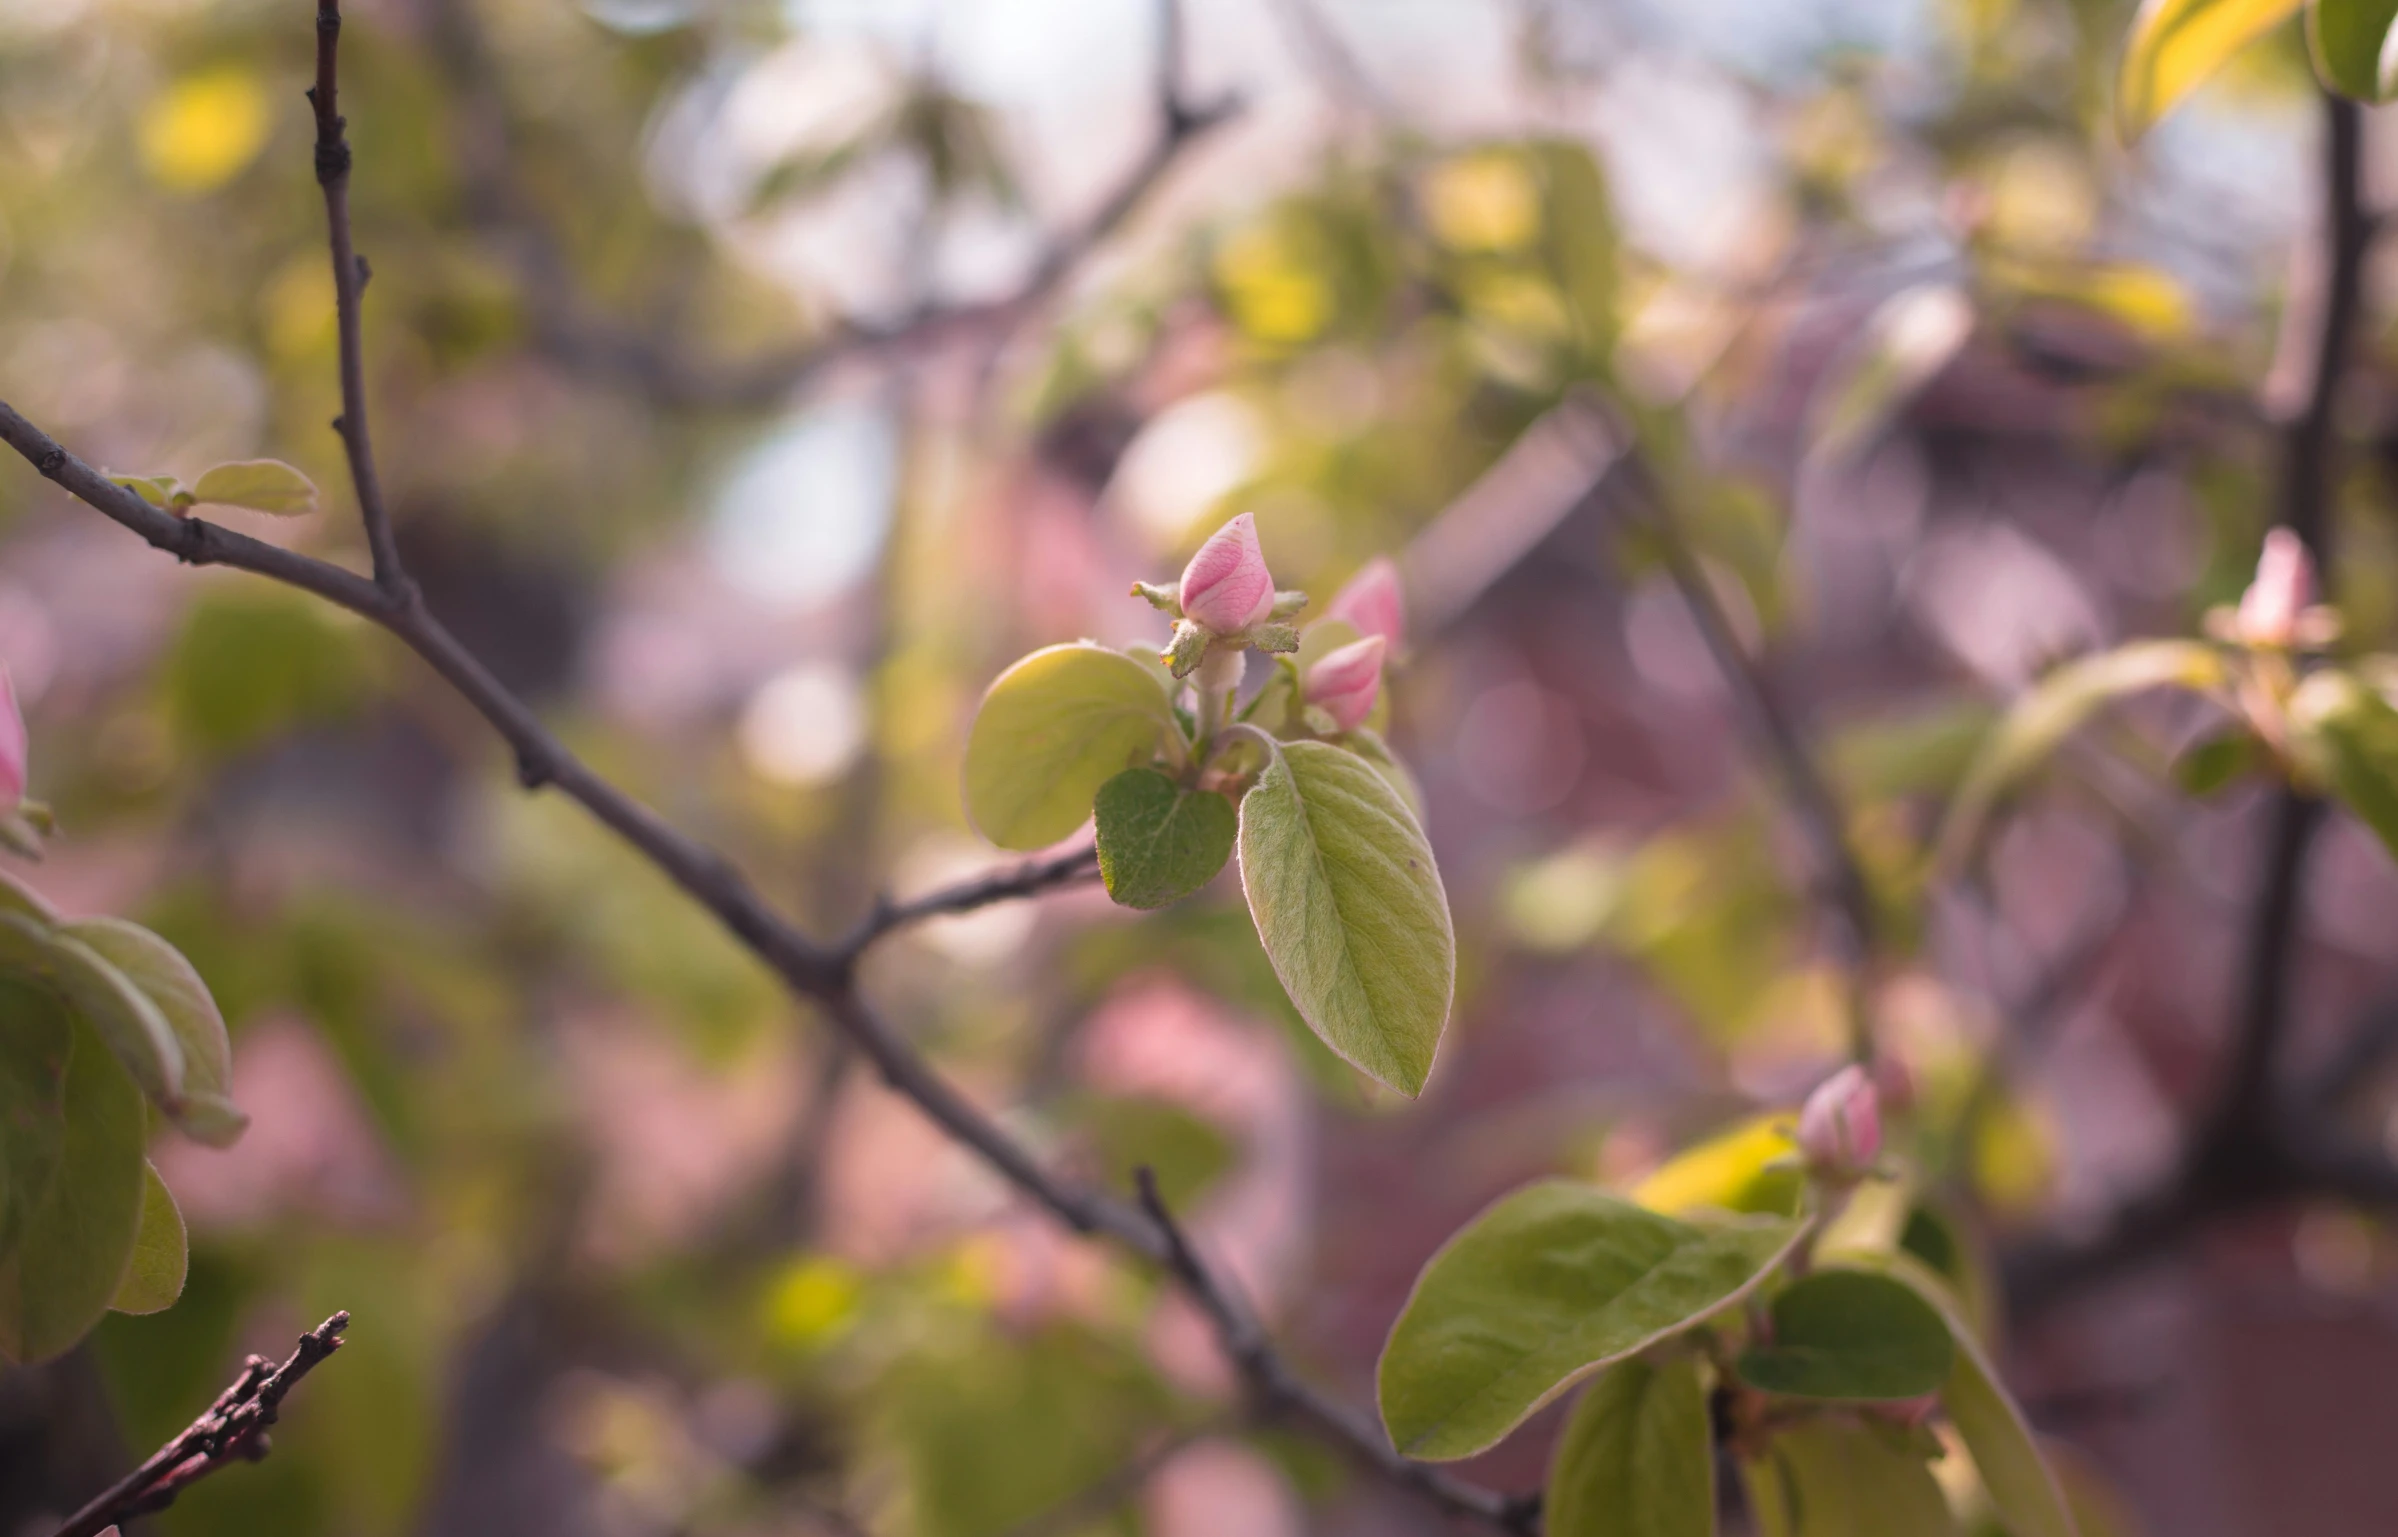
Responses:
[1279,1393]
[2251,1147]
[822,974]
[233,1430]
[1030,878]
[651,361]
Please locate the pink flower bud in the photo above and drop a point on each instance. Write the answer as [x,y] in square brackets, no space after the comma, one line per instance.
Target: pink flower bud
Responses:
[2284,586]
[1372,602]
[12,747]
[1226,587]
[1840,1129]
[1344,683]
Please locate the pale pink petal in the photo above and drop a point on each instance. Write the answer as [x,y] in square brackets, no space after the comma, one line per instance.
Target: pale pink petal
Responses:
[1345,683]
[1227,587]
[1372,602]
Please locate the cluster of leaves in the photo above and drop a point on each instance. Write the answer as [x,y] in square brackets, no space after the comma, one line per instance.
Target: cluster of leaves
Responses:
[1334,863]
[1827,1329]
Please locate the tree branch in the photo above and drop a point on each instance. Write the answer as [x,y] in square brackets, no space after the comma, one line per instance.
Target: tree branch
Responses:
[233,1429]
[1030,878]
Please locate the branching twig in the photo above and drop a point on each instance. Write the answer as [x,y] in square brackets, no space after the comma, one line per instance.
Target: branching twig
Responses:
[819,973]
[1030,878]
[233,1430]
[654,363]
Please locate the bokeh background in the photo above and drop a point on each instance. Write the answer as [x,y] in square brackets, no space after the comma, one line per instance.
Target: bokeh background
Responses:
[754,381]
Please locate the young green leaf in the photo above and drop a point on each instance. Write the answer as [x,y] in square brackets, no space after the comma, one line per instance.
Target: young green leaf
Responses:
[262,485]
[1350,908]
[154,1276]
[163,492]
[1051,731]
[1752,1168]
[134,1027]
[78,1239]
[1835,1478]
[2215,763]
[204,1109]
[2176,45]
[2353,731]
[2346,38]
[1546,1286]
[2053,709]
[1158,841]
[1848,1334]
[1637,1457]
[36,1033]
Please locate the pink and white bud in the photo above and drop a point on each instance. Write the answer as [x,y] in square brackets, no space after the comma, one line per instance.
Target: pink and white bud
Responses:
[13,747]
[1372,602]
[2283,589]
[1226,587]
[1840,1128]
[1345,683]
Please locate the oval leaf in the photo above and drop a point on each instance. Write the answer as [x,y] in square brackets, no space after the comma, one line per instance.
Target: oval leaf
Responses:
[1851,1335]
[1350,908]
[205,1109]
[36,1033]
[1159,842]
[1051,731]
[1836,1478]
[262,485]
[1753,1167]
[78,1239]
[1543,1288]
[154,1276]
[1637,1458]
[2346,38]
[2176,45]
[134,1027]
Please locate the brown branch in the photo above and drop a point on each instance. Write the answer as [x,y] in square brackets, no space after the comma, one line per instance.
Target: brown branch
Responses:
[1278,1393]
[233,1430]
[1030,878]
[817,973]
[653,363]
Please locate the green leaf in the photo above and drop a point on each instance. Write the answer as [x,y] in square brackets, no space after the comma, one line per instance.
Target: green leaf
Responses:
[154,1276]
[1159,842]
[36,1034]
[78,1239]
[1849,1334]
[2176,45]
[204,1109]
[1051,731]
[262,485]
[25,902]
[2216,762]
[1350,908]
[1637,1457]
[1751,1168]
[1546,1286]
[103,997]
[1368,744]
[2346,38]
[163,492]
[2052,709]
[2349,735]
[1836,1478]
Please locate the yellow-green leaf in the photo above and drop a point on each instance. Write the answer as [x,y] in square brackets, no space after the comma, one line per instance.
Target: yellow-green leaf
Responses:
[1051,731]
[1752,1168]
[1349,906]
[1850,1334]
[262,485]
[1836,1478]
[154,1276]
[2346,38]
[36,1034]
[78,1239]
[204,1108]
[1637,1456]
[2176,45]
[1543,1288]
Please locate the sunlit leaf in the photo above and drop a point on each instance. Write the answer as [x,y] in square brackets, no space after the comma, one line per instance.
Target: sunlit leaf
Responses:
[1544,1287]
[154,1276]
[1051,731]
[204,1108]
[1849,1334]
[1159,841]
[1637,1456]
[1751,1168]
[2347,38]
[77,1240]
[1350,908]
[2175,45]
[163,492]
[262,485]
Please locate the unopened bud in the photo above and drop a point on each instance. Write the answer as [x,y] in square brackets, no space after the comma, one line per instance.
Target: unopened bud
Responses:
[1840,1128]
[2284,587]
[1372,602]
[1345,683]
[13,747]
[1226,588]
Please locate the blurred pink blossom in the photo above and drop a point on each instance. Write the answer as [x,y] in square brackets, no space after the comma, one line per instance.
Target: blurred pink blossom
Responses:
[1227,587]
[2284,587]
[1372,602]
[1840,1129]
[1345,683]
[12,744]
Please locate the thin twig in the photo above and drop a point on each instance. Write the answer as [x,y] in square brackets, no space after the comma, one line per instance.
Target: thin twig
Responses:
[1030,878]
[233,1430]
